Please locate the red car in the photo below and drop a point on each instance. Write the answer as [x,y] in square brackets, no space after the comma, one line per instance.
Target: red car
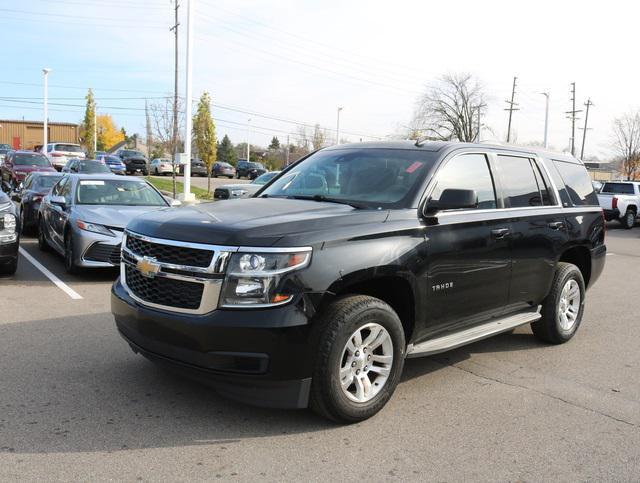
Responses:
[18,164]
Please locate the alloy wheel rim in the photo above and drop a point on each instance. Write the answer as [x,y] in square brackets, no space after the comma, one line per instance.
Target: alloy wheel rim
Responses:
[365,365]
[569,305]
[631,219]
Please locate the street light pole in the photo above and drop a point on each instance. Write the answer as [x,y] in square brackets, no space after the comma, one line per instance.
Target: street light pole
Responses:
[546,119]
[95,130]
[248,145]
[338,126]
[45,136]
[188,196]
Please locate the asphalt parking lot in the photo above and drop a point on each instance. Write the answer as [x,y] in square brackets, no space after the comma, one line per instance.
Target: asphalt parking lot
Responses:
[77,404]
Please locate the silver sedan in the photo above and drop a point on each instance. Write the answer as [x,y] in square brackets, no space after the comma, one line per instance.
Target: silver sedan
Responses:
[84,216]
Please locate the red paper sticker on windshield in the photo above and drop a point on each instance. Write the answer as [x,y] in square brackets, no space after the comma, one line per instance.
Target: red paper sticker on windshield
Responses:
[413,167]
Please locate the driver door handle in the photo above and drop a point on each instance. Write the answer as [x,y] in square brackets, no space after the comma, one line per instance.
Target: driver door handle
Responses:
[500,232]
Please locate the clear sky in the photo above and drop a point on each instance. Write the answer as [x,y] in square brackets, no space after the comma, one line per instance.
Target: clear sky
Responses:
[299,60]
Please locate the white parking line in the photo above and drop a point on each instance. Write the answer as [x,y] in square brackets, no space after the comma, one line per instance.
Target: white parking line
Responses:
[59,283]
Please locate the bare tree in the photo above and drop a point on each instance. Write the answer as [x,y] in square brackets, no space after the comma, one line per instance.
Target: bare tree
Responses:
[319,137]
[161,114]
[449,110]
[626,130]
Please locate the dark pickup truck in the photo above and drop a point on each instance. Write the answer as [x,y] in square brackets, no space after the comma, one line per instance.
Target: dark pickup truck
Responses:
[313,292]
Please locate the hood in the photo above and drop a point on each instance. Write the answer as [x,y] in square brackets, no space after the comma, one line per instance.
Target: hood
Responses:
[116,216]
[30,169]
[257,222]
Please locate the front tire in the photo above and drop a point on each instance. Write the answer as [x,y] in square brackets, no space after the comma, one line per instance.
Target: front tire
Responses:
[70,256]
[628,220]
[43,245]
[10,267]
[563,308]
[359,359]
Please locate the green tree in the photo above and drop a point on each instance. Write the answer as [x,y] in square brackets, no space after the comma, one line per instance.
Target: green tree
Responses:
[89,125]
[204,135]
[226,152]
[275,144]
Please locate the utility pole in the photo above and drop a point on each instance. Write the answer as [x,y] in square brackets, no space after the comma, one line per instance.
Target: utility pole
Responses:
[95,128]
[511,108]
[188,196]
[546,119]
[338,126]
[584,133]
[174,135]
[573,118]
[248,145]
[479,108]
[45,139]
[287,152]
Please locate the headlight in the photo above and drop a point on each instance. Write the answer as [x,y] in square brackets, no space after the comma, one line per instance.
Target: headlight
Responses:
[94,227]
[253,279]
[238,192]
[8,232]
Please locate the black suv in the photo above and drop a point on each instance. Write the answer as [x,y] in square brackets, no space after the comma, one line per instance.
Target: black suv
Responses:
[314,291]
[249,169]
[135,161]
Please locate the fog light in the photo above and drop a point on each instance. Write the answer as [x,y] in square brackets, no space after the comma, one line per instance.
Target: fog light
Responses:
[250,287]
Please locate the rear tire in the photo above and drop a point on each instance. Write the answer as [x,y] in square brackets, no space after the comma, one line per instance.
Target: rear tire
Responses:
[355,375]
[563,308]
[628,220]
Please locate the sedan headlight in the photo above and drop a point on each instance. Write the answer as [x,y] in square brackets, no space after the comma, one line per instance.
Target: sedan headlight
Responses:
[253,279]
[238,192]
[8,233]
[94,227]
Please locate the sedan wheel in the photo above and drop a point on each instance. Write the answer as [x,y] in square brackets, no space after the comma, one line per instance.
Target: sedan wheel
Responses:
[69,255]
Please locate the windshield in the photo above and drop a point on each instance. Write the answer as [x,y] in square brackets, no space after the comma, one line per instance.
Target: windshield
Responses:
[266,177]
[373,177]
[132,153]
[46,182]
[256,165]
[117,192]
[111,159]
[69,148]
[5,146]
[30,159]
[92,167]
[618,188]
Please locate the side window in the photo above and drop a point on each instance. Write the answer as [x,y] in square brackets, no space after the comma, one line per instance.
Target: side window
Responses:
[544,185]
[578,183]
[470,172]
[59,185]
[66,191]
[519,181]
[28,182]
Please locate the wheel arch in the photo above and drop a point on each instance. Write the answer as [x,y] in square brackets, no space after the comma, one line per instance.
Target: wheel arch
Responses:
[389,284]
[580,256]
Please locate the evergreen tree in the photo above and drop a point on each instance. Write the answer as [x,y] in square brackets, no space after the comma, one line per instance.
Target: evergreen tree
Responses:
[89,125]
[226,152]
[275,143]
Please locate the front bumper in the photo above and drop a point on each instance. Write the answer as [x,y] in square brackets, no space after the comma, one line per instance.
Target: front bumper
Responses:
[95,250]
[260,357]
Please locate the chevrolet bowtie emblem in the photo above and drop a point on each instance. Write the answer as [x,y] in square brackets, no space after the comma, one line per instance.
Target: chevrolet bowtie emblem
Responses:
[148,267]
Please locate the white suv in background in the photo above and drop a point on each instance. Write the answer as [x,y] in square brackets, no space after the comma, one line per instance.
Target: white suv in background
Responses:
[60,153]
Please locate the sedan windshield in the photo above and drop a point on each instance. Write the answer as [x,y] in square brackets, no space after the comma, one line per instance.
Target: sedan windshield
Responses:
[117,192]
[92,167]
[31,159]
[369,177]
[68,148]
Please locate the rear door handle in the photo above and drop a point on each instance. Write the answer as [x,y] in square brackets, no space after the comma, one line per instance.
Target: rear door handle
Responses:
[556,225]
[500,232]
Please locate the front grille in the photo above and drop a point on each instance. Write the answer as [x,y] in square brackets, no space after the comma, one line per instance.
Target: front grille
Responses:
[164,291]
[176,255]
[221,194]
[103,252]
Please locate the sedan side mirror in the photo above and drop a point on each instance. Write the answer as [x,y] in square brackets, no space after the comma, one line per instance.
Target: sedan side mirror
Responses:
[453,199]
[58,200]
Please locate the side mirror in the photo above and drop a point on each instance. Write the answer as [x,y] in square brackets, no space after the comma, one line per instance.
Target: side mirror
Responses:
[453,199]
[58,200]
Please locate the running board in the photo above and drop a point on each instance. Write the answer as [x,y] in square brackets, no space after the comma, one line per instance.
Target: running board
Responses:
[452,341]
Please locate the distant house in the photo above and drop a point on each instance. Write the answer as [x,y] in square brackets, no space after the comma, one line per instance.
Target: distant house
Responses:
[29,134]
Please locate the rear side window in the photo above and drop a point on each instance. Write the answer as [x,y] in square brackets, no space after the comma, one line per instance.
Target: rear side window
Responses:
[618,188]
[469,172]
[520,182]
[578,183]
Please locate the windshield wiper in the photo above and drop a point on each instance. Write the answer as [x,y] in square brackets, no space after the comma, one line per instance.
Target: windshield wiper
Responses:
[324,199]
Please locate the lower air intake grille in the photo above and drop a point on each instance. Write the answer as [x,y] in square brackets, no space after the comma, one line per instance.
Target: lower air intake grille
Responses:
[103,252]
[164,291]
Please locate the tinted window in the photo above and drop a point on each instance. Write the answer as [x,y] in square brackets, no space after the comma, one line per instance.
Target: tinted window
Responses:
[371,177]
[30,159]
[618,188]
[468,172]
[578,183]
[46,182]
[519,181]
[543,184]
[69,148]
[117,192]
[92,167]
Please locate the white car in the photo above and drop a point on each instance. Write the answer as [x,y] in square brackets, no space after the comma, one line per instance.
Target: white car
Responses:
[60,153]
[620,201]
[162,166]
